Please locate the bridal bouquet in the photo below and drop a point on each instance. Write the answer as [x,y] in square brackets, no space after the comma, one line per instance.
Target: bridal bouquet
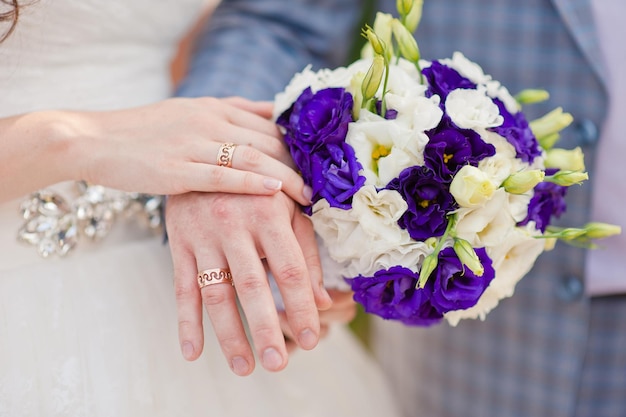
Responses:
[431,191]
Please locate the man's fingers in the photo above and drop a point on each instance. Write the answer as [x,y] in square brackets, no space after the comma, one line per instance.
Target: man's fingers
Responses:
[218,297]
[188,304]
[303,230]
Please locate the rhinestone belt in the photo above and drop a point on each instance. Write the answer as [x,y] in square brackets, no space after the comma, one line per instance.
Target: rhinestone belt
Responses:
[55,227]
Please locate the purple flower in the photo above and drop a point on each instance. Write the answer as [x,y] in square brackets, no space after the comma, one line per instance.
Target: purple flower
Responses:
[391,294]
[450,148]
[428,199]
[443,79]
[335,175]
[548,201]
[315,121]
[455,287]
[516,131]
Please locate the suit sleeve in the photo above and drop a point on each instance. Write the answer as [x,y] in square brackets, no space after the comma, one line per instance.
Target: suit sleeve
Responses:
[252,48]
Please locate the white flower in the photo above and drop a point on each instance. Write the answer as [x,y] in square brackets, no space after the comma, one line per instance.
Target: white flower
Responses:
[500,166]
[384,148]
[512,259]
[324,78]
[497,90]
[416,112]
[487,225]
[471,187]
[471,109]
[378,212]
[468,69]
[367,238]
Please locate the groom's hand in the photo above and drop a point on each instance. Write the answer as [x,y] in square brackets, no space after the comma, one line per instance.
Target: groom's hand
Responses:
[342,311]
[216,230]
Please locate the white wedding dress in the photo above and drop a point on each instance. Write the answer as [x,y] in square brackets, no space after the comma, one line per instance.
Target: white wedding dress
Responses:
[94,333]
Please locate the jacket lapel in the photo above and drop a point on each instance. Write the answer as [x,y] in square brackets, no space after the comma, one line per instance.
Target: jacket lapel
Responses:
[578,17]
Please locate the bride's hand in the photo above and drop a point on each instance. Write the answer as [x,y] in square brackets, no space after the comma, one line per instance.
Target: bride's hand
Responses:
[216,230]
[170,147]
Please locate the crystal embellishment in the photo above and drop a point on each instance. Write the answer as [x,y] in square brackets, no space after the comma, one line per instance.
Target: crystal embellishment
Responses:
[55,227]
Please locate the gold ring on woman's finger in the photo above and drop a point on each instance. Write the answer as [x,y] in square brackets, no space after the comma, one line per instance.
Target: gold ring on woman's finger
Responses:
[214,276]
[225,155]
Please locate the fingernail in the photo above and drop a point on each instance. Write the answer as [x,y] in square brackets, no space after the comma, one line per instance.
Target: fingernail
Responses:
[272,360]
[240,366]
[188,350]
[307,192]
[307,339]
[272,184]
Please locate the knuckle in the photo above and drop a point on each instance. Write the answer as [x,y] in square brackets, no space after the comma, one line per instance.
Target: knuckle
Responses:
[265,333]
[218,178]
[213,296]
[249,156]
[291,275]
[225,208]
[232,343]
[186,326]
[249,180]
[251,285]
[184,290]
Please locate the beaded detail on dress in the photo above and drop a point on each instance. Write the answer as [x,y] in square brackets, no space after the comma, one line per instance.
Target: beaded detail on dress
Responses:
[55,226]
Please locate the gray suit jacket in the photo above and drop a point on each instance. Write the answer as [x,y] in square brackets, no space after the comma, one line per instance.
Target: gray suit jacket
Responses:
[548,350]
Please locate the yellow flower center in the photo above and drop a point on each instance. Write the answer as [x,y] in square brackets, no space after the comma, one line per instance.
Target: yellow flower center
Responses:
[379,151]
[424,203]
[447,157]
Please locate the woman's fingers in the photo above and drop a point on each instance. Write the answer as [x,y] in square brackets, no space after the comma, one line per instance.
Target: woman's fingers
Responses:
[247,159]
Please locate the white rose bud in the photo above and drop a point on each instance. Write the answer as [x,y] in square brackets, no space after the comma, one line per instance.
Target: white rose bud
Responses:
[524,181]
[471,187]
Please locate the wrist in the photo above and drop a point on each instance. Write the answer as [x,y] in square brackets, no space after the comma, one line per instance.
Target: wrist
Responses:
[67,143]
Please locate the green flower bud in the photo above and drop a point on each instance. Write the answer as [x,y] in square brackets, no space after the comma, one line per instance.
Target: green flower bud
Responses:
[377,44]
[567,178]
[531,96]
[523,181]
[551,123]
[382,30]
[410,12]
[598,230]
[404,6]
[406,42]
[565,159]
[570,233]
[428,266]
[415,15]
[548,142]
[467,256]
[373,78]
[356,83]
